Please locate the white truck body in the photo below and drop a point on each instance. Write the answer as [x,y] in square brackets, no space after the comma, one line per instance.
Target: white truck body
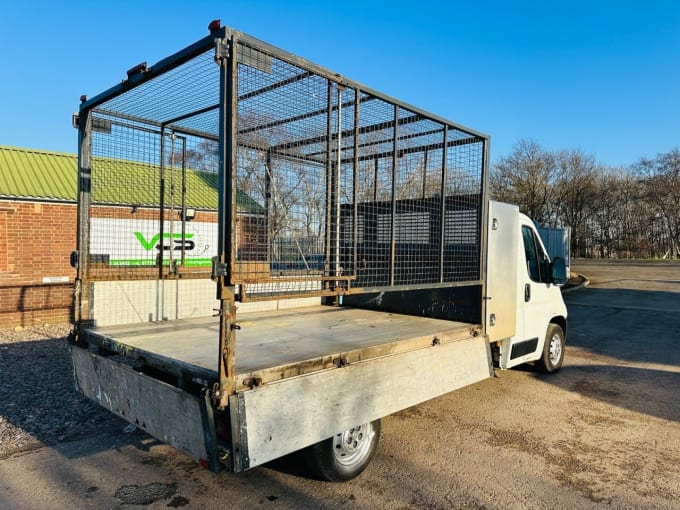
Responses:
[408,361]
[384,299]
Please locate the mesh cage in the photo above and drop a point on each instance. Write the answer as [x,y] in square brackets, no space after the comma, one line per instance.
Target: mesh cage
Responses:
[357,192]
[152,218]
[337,189]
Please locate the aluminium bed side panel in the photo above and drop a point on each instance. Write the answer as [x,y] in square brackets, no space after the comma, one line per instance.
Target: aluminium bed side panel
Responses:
[278,418]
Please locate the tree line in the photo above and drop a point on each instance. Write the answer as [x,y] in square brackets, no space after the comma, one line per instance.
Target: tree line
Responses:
[624,212]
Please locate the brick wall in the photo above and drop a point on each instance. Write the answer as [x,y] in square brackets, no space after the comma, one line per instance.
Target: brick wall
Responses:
[36,240]
[36,280]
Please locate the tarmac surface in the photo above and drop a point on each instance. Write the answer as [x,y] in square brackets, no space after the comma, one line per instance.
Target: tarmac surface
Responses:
[604,432]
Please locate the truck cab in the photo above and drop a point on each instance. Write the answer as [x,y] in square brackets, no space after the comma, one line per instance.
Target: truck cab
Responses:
[524,292]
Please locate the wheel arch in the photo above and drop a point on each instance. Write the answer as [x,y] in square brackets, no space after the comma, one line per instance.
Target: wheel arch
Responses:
[561,321]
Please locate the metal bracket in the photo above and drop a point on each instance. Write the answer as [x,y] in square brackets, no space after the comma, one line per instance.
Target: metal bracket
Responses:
[221,51]
[72,337]
[140,68]
[252,382]
[215,394]
[209,434]
[218,269]
[340,362]
[239,435]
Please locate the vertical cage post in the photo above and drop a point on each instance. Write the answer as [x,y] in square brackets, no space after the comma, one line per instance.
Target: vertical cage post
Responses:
[227,174]
[425,154]
[393,215]
[161,204]
[268,205]
[375,178]
[329,178]
[81,310]
[184,198]
[483,212]
[160,283]
[442,231]
[171,212]
[355,180]
[336,188]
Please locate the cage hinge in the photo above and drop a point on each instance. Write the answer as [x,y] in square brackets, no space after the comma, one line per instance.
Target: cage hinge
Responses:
[221,51]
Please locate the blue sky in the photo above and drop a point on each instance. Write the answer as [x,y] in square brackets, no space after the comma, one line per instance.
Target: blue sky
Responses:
[602,76]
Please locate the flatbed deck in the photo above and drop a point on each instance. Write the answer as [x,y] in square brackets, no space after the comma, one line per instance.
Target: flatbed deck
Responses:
[275,345]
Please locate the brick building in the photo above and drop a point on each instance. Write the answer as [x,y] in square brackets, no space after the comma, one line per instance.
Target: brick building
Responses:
[38,213]
[37,235]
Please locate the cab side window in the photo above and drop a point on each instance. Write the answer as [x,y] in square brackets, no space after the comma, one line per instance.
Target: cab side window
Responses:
[537,262]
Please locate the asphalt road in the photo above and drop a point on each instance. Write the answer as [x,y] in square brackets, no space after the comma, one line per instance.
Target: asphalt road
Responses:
[604,432]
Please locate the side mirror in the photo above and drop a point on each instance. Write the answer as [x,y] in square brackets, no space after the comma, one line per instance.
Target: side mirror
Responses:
[559,271]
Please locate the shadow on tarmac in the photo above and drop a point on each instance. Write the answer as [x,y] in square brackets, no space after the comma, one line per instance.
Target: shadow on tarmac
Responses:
[630,325]
[642,390]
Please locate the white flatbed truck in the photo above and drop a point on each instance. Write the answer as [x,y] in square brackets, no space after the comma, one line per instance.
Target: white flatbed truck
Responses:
[272,257]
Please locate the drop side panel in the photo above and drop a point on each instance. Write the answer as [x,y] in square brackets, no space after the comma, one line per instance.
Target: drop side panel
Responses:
[279,418]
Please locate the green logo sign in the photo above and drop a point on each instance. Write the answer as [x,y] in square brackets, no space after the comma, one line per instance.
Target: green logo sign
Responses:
[176,239]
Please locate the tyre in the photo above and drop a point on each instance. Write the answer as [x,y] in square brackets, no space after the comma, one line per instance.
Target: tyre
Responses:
[553,350]
[345,455]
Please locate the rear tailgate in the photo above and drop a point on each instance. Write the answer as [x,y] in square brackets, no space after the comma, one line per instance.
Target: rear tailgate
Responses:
[169,414]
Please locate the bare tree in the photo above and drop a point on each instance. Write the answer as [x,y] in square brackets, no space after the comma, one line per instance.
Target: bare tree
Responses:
[661,177]
[605,209]
[525,178]
[575,190]
[613,212]
[634,216]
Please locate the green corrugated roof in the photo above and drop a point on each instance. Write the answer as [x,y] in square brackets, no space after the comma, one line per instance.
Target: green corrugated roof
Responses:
[29,173]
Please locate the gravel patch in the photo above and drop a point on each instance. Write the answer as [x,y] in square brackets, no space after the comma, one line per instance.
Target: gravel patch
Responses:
[39,403]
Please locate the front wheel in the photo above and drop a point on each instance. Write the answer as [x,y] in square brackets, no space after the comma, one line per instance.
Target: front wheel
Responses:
[553,350]
[345,455]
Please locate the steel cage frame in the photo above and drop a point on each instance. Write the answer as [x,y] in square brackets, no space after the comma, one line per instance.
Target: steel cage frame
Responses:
[227,45]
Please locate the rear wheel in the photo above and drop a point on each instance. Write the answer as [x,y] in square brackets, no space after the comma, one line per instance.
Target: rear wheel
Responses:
[345,455]
[553,350]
